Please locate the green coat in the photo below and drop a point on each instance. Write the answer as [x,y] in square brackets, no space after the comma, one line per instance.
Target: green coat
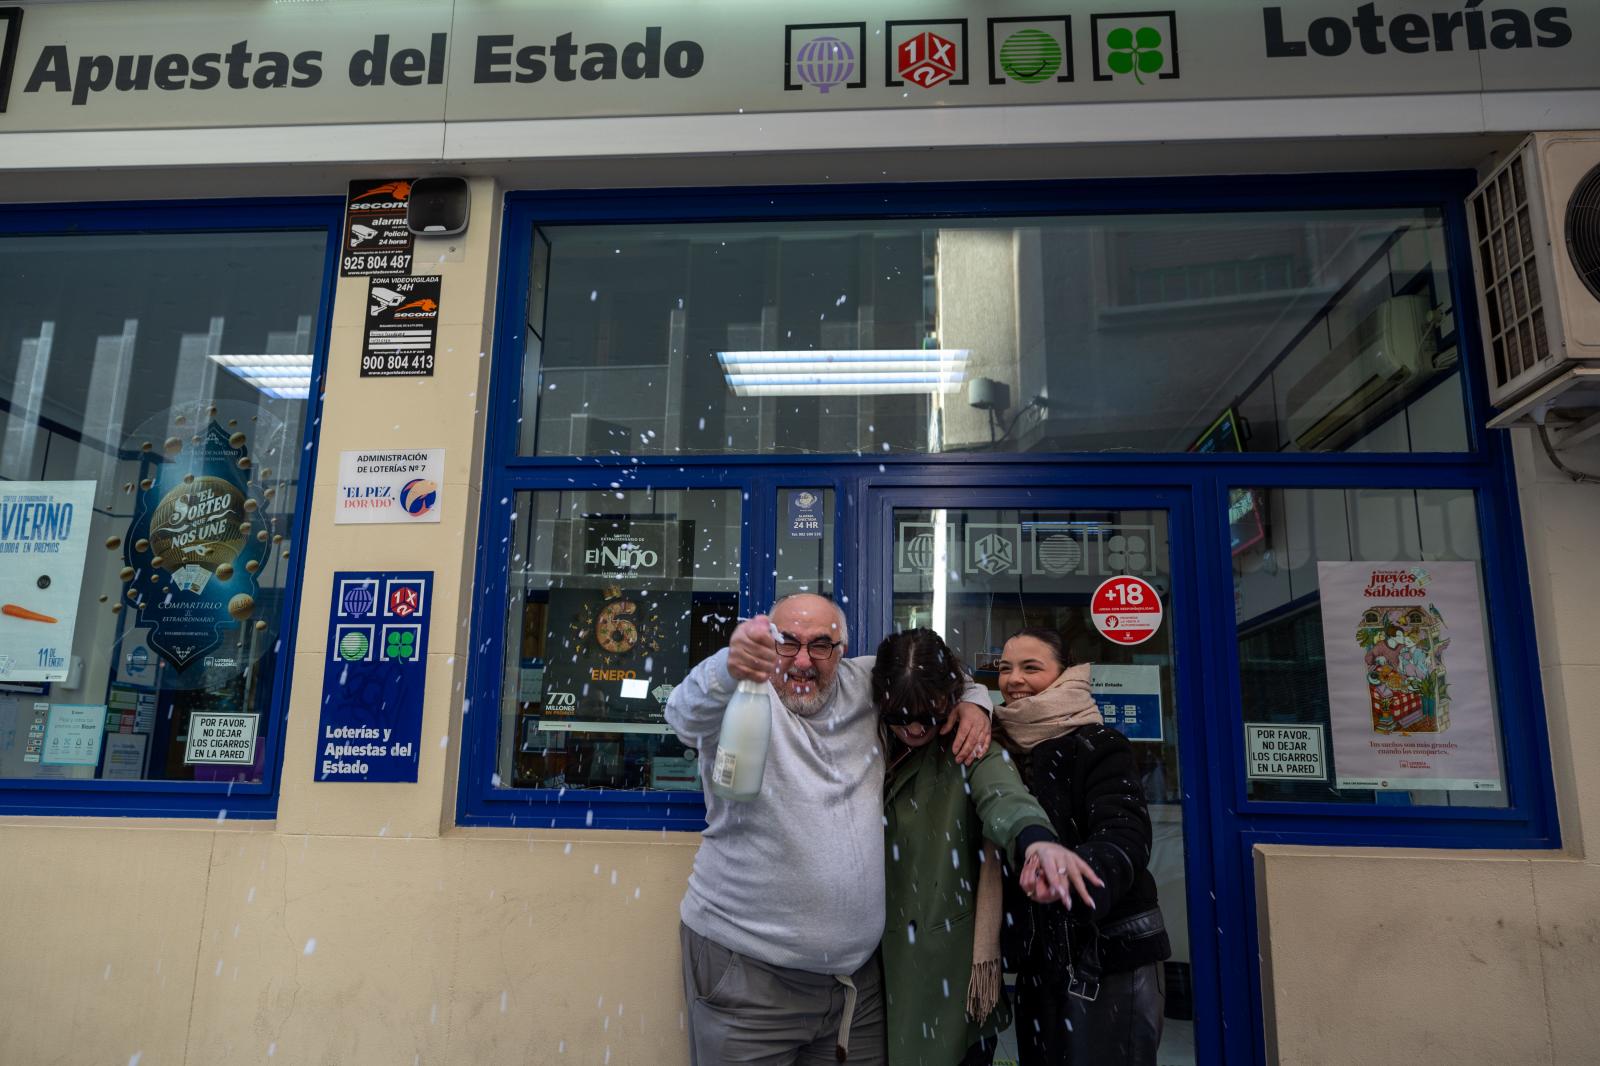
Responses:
[933,834]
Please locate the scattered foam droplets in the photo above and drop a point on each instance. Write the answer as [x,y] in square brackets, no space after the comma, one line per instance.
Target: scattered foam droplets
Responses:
[311,946]
[272,1049]
[568,849]
[107,976]
[504,1002]
[133,1060]
[250,896]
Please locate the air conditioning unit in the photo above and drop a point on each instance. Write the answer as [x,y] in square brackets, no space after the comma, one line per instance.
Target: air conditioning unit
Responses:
[1535,224]
[1338,397]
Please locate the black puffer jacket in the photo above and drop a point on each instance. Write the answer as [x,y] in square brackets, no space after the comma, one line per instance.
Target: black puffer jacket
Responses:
[1087,783]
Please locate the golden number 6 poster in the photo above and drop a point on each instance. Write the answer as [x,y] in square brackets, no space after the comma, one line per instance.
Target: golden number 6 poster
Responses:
[1409,696]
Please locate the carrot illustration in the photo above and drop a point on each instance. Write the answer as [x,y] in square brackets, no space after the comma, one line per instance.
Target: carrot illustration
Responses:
[11,610]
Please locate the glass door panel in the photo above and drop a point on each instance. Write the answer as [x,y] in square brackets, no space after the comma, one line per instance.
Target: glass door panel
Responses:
[976,575]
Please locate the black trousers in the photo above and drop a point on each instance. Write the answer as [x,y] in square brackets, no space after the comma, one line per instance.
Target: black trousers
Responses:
[1122,1025]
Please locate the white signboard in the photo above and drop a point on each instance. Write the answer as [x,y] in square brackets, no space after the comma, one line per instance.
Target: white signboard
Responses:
[1409,696]
[1284,752]
[394,487]
[242,62]
[72,734]
[44,543]
[221,738]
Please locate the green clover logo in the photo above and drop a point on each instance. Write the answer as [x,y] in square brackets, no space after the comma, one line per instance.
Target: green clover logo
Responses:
[400,644]
[1133,53]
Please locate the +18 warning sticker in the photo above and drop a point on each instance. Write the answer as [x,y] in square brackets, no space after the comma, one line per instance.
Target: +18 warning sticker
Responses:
[1126,609]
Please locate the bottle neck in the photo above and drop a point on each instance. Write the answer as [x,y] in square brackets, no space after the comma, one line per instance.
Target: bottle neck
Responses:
[753,687]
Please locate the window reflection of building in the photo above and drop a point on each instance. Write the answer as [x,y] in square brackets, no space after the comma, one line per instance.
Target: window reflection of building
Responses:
[1326,330]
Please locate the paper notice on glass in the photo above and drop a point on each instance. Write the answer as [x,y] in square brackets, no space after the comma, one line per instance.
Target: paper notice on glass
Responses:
[1408,679]
[44,544]
[124,757]
[72,734]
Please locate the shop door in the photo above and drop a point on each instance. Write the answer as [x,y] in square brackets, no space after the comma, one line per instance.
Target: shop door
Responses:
[977,565]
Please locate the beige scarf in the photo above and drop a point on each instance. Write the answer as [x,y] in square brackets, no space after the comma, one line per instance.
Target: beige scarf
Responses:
[1062,707]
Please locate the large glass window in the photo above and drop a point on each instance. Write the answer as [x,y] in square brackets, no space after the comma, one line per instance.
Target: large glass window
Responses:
[1365,649]
[153,402]
[614,596]
[1328,330]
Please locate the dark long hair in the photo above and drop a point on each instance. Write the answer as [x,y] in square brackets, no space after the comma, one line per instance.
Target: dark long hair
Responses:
[1050,639]
[917,672]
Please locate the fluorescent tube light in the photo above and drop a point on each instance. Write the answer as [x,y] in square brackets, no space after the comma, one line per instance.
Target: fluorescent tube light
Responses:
[284,377]
[840,372]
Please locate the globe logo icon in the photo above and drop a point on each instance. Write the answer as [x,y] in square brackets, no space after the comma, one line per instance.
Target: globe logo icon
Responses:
[825,62]
[918,553]
[1030,56]
[357,600]
[418,496]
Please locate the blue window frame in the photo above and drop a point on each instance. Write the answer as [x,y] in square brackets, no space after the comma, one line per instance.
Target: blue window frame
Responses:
[1232,822]
[320,217]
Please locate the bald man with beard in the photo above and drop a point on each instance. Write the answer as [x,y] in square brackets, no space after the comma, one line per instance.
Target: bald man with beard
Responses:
[785,905]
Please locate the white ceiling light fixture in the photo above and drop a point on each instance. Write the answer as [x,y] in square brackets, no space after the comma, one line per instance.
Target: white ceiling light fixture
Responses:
[841,372]
[283,377]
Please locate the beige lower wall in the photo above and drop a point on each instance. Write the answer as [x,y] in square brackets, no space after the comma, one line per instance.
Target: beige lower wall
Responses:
[1378,956]
[239,944]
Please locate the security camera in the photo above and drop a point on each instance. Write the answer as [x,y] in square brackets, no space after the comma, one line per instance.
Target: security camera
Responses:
[362,234]
[383,299]
[987,394]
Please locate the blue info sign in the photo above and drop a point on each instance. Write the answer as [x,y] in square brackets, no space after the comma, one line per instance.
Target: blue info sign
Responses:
[371,725]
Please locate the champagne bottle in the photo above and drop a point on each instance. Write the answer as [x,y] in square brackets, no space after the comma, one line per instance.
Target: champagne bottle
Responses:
[742,746]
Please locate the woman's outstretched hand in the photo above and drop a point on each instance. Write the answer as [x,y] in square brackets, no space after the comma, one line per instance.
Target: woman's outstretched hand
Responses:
[1052,872]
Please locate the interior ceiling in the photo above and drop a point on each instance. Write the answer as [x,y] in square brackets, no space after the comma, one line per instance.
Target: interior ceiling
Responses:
[792,168]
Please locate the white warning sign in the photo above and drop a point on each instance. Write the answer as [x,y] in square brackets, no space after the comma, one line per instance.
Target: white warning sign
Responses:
[1285,751]
[226,738]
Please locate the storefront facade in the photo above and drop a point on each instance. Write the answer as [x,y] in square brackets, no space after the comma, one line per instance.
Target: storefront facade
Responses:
[397,545]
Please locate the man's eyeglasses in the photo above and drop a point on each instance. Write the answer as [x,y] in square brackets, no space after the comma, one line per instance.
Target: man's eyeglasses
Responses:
[821,650]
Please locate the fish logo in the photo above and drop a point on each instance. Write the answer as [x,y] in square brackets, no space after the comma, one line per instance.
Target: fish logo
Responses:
[393,190]
[418,496]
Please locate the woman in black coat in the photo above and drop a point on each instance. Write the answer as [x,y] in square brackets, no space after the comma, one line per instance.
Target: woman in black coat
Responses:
[1090,984]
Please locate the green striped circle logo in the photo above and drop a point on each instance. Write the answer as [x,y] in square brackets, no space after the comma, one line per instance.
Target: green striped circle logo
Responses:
[354,645]
[1030,56]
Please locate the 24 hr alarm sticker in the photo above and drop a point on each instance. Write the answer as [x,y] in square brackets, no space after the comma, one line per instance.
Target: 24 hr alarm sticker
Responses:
[1126,610]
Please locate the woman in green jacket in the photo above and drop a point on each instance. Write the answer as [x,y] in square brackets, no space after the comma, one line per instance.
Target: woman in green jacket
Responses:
[941,944]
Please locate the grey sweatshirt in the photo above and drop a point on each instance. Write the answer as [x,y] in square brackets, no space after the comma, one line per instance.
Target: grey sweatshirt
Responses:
[794,877]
